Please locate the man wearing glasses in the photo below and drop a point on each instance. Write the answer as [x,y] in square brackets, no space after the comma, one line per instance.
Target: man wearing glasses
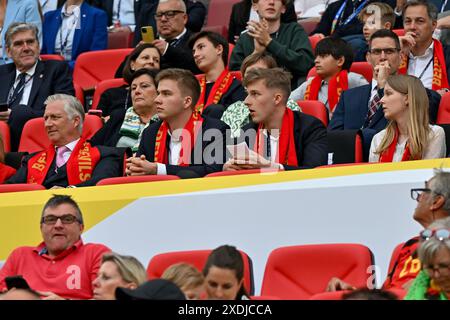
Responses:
[175,22]
[433,203]
[359,108]
[62,266]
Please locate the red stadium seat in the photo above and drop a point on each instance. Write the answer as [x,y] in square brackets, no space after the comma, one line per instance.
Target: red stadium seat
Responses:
[240,172]
[443,116]
[34,137]
[5,135]
[120,40]
[399,32]
[20,187]
[309,24]
[346,146]
[299,272]
[45,57]
[102,87]
[362,68]
[313,40]
[160,262]
[314,108]
[95,66]
[222,30]
[230,51]
[219,12]
[79,94]
[135,179]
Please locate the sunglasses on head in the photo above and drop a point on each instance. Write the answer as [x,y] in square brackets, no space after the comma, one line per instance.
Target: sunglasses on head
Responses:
[440,234]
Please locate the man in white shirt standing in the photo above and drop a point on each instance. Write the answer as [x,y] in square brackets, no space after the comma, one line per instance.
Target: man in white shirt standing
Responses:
[425,57]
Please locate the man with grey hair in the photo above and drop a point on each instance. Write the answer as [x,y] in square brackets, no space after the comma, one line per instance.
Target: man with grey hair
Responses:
[26,83]
[70,160]
[425,57]
[433,203]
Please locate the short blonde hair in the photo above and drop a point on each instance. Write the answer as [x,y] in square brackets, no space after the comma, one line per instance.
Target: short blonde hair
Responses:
[184,275]
[130,269]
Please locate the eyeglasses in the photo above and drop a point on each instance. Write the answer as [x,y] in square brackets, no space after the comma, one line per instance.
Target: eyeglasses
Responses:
[387,51]
[441,268]
[168,14]
[440,234]
[416,192]
[65,219]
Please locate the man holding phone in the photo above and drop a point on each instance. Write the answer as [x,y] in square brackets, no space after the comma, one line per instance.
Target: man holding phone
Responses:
[27,82]
[62,266]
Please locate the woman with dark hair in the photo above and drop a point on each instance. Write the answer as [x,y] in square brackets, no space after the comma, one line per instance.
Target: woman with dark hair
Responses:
[224,274]
[145,55]
[124,127]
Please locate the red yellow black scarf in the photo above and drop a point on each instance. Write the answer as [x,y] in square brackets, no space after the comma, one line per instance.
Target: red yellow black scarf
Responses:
[220,86]
[79,166]
[336,85]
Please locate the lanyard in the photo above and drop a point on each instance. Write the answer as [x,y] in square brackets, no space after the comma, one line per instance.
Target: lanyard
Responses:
[340,12]
[119,2]
[66,39]
[425,69]
[11,98]
[443,6]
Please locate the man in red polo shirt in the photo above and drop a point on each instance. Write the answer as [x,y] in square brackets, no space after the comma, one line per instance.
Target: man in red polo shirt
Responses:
[62,266]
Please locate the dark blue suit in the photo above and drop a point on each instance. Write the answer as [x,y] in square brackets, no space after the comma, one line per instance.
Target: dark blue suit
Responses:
[352,108]
[92,34]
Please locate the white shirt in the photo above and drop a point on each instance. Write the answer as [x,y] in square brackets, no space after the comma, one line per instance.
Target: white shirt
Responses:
[435,149]
[67,31]
[274,141]
[126,13]
[417,65]
[70,146]
[48,5]
[173,157]
[29,78]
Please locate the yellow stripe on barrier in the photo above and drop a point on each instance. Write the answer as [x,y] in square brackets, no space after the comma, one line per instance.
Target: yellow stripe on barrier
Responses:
[20,211]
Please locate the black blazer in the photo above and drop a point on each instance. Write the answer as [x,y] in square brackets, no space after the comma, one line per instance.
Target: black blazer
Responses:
[180,55]
[114,99]
[205,166]
[109,135]
[50,77]
[240,14]
[109,165]
[310,137]
[235,92]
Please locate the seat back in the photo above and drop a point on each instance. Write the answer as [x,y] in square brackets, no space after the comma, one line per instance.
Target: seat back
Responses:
[20,187]
[309,24]
[120,40]
[315,108]
[346,146]
[399,32]
[95,66]
[299,272]
[219,12]
[313,40]
[362,68]
[160,262]
[46,57]
[104,85]
[34,137]
[79,94]
[6,136]
[135,179]
[443,115]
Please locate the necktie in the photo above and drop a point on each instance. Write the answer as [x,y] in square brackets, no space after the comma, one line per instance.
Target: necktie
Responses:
[60,156]
[18,91]
[374,105]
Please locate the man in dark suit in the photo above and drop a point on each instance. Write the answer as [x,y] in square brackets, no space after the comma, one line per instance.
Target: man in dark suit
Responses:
[122,18]
[27,82]
[359,108]
[182,140]
[195,10]
[280,138]
[240,14]
[70,160]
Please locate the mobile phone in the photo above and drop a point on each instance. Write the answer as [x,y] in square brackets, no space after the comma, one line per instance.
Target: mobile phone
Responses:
[147,34]
[3,107]
[17,282]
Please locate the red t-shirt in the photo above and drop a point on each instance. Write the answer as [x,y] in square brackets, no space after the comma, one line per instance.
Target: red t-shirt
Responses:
[406,267]
[68,275]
